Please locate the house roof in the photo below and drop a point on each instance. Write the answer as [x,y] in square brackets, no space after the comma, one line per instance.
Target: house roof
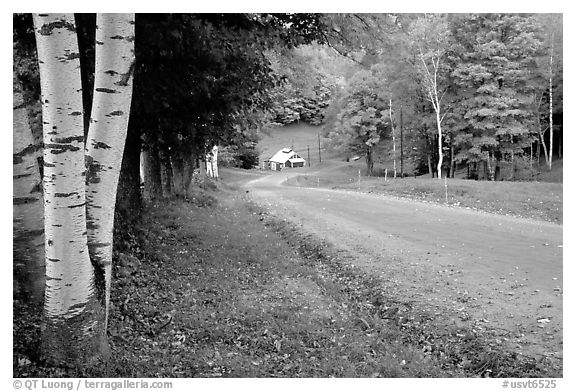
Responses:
[285,154]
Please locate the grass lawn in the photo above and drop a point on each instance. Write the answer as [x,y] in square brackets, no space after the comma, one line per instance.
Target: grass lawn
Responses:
[537,200]
[540,199]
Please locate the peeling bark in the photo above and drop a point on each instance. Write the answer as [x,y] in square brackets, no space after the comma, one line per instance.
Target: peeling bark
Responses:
[106,138]
[73,327]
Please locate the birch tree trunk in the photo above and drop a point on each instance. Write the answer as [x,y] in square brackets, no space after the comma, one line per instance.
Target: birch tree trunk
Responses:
[209,168]
[215,161]
[28,209]
[543,143]
[212,163]
[393,138]
[73,329]
[107,136]
[431,87]
[452,160]
[440,155]
[551,101]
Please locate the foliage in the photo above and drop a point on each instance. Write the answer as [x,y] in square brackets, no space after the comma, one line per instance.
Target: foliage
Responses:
[245,156]
[310,75]
[494,59]
[483,75]
[205,75]
[363,120]
[248,157]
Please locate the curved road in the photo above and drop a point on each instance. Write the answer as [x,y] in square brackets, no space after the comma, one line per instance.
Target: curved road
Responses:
[508,268]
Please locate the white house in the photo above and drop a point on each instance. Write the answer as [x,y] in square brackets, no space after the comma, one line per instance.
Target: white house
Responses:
[286,157]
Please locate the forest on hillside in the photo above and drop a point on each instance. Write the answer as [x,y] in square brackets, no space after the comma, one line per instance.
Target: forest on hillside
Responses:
[479,92]
[102,101]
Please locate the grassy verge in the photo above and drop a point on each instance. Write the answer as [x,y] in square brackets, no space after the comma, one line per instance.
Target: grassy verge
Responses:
[228,291]
[536,200]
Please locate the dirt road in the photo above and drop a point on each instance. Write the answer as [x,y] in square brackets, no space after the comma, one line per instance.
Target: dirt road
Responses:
[494,272]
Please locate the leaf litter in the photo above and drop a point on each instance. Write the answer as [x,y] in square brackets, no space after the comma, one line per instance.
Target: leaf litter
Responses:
[224,289]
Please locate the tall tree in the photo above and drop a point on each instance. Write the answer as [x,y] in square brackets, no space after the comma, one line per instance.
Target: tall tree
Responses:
[107,134]
[552,69]
[495,56]
[77,174]
[430,38]
[363,120]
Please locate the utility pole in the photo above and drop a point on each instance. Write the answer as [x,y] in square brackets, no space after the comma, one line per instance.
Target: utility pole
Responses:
[401,145]
[308,147]
[319,153]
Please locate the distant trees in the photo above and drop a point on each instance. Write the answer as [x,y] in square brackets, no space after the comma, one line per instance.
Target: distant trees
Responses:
[429,38]
[309,77]
[476,90]
[493,66]
[364,117]
[550,66]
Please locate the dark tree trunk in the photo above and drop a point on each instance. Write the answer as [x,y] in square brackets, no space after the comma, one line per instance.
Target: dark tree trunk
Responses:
[538,152]
[369,162]
[178,174]
[166,173]
[129,196]
[430,168]
[189,166]
[560,141]
[152,176]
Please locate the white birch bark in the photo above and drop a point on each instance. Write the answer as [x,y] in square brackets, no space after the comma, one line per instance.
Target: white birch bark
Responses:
[430,79]
[215,161]
[107,135]
[71,311]
[212,163]
[28,208]
[551,101]
[393,137]
[68,269]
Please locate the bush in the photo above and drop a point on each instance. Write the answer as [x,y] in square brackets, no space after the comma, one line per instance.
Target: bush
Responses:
[247,158]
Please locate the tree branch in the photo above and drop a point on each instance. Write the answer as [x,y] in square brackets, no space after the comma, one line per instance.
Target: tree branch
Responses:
[338,51]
